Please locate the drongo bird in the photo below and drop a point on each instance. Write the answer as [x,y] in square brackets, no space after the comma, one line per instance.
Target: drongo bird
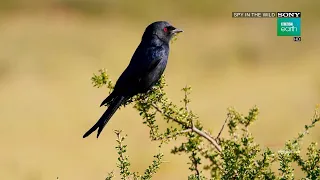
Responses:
[144,70]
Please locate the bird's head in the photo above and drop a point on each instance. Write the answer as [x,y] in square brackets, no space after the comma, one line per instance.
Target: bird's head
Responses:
[162,30]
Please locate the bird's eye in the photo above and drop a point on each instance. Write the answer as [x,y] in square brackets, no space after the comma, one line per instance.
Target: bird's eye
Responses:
[165,29]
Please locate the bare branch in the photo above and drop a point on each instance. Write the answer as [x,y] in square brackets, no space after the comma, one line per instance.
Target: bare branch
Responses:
[217,138]
[209,138]
[196,130]
[185,131]
[186,99]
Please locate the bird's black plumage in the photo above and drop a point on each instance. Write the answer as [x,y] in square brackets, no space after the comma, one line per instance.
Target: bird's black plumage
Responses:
[144,70]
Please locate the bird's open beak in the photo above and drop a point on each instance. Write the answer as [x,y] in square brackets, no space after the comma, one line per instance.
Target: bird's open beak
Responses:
[177,30]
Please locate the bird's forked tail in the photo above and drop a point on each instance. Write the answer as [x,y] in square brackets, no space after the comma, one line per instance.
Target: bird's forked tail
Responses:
[106,116]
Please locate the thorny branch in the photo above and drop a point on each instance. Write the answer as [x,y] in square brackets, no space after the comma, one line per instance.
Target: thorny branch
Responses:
[225,122]
[240,155]
[193,156]
[119,140]
[208,137]
[194,129]
[196,166]
[123,162]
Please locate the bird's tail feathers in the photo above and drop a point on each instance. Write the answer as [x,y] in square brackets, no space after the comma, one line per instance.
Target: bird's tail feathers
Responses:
[108,100]
[114,105]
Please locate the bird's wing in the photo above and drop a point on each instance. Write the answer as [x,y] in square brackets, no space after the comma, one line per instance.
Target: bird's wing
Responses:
[155,56]
[142,63]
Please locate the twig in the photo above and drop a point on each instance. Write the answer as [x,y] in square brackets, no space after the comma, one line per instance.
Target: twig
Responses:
[119,139]
[178,133]
[186,99]
[196,130]
[185,131]
[169,117]
[209,138]
[196,167]
[217,138]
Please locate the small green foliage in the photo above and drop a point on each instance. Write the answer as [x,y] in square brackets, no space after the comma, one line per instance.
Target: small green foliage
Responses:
[154,167]
[311,166]
[124,164]
[236,156]
[292,153]
[110,176]
[242,157]
[102,79]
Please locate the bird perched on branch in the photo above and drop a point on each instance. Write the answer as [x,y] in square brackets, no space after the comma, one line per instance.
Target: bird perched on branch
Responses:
[144,70]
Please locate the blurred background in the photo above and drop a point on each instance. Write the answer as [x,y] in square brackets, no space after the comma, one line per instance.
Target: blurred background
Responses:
[49,50]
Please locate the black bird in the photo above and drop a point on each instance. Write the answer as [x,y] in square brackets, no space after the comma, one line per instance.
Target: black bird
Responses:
[144,70]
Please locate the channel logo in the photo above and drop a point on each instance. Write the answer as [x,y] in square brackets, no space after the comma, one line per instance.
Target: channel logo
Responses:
[289,23]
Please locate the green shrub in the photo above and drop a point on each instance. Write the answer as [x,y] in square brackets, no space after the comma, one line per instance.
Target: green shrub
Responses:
[236,156]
